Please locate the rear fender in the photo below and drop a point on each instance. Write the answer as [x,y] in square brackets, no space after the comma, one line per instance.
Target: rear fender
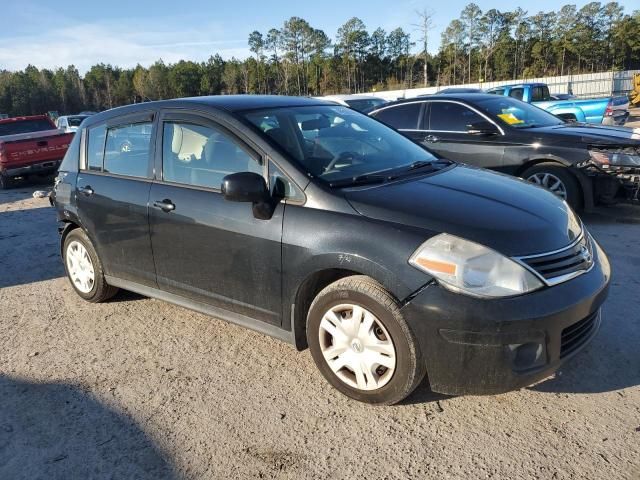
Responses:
[578,113]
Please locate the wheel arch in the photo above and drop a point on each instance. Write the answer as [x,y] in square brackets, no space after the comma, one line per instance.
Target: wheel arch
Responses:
[324,274]
[313,284]
[585,183]
[67,227]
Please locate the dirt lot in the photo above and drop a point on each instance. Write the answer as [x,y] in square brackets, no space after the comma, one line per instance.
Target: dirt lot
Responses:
[137,388]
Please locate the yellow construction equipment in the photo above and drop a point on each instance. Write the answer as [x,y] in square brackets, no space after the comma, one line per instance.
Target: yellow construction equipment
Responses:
[634,96]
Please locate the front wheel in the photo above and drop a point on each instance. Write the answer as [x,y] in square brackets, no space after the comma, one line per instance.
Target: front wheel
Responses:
[361,344]
[558,180]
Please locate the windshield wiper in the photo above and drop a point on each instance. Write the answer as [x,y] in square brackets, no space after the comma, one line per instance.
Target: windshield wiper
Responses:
[391,174]
[359,180]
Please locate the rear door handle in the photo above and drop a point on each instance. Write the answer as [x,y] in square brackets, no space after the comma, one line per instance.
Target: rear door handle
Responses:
[165,205]
[431,139]
[86,191]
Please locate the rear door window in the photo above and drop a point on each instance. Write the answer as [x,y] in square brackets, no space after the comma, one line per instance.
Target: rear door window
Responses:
[127,149]
[452,117]
[401,117]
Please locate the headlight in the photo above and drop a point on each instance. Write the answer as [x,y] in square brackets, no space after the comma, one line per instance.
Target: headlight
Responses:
[467,267]
[619,158]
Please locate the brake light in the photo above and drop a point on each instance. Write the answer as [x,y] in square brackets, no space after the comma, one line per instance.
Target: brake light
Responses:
[609,110]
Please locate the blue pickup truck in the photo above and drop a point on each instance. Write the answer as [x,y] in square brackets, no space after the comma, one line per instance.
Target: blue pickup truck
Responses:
[605,111]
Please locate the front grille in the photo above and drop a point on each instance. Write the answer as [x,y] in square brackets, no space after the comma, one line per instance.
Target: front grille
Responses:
[576,335]
[577,257]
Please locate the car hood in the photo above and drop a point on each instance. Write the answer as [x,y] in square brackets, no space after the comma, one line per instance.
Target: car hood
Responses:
[589,134]
[503,213]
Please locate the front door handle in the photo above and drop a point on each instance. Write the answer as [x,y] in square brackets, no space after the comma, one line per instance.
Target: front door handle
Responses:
[165,205]
[431,139]
[86,190]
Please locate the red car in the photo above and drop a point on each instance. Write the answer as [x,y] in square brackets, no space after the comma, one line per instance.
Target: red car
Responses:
[30,146]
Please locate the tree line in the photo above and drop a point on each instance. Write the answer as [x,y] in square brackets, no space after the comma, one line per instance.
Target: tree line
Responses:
[299,59]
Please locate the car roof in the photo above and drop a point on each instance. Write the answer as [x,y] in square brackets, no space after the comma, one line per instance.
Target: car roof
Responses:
[463,97]
[526,84]
[352,97]
[230,103]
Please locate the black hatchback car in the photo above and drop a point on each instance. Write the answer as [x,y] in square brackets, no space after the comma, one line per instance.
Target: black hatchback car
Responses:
[323,227]
[583,164]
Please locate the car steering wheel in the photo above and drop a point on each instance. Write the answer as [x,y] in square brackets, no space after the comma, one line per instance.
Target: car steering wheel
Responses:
[341,156]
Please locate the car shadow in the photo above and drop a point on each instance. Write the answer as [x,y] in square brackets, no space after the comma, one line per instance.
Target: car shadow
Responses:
[55,430]
[29,246]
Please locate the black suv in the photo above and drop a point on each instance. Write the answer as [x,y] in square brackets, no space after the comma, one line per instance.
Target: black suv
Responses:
[581,163]
[325,228]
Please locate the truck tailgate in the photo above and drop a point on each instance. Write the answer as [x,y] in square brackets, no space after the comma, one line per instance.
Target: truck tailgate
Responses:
[31,148]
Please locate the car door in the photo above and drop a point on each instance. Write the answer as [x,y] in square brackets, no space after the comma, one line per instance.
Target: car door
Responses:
[112,194]
[445,132]
[206,248]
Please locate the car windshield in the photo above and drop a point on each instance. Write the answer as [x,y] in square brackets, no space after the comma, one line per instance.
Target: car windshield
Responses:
[75,121]
[365,105]
[335,143]
[517,114]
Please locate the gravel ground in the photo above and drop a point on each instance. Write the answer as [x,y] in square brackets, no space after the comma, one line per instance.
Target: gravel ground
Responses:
[138,388]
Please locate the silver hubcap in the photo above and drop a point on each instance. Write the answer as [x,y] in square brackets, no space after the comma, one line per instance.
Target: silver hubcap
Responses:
[80,267]
[550,182]
[357,347]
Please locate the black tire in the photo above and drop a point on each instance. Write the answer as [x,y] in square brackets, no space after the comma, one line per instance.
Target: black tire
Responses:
[568,179]
[5,182]
[369,294]
[101,290]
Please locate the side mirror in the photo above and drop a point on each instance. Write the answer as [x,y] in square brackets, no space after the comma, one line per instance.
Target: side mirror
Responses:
[251,188]
[482,128]
[244,187]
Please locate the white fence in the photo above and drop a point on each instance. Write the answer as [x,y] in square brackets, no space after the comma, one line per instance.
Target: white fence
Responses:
[587,85]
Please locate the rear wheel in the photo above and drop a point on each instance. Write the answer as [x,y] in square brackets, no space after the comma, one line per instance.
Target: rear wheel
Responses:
[84,269]
[361,344]
[558,180]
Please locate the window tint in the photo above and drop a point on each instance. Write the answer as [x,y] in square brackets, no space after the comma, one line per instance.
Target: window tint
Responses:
[452,117]
[540,94]
[95,148]
[404,116]
[127,150]
[516,93]
[497,91]
[202,156]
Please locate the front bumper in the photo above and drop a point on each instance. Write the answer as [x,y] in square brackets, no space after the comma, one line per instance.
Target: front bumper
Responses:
[477,346]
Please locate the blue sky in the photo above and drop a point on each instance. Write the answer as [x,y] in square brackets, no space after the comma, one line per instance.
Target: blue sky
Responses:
[50,34]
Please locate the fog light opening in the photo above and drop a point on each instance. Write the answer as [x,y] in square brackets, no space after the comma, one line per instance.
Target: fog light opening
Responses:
[527,355]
